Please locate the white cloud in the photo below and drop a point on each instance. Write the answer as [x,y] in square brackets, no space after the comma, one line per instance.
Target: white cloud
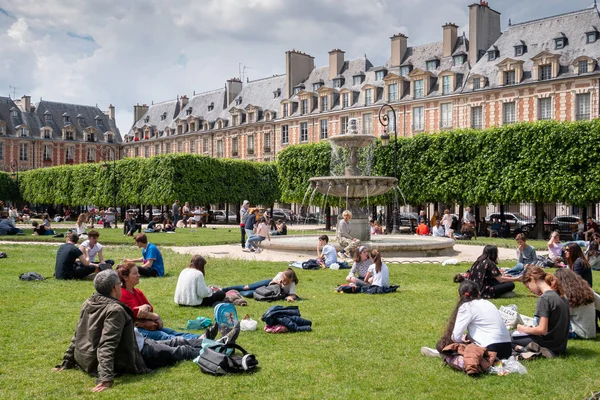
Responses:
[125,52]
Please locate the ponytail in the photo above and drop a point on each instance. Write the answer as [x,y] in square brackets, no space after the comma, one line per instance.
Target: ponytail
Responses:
[468,291]
[376,257]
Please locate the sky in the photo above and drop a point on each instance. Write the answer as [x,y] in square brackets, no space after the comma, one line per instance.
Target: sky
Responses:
[124,52]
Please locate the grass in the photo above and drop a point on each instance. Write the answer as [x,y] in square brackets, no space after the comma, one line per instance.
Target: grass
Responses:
[361,346]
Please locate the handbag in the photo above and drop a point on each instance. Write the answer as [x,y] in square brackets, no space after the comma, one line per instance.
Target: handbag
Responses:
[215,361]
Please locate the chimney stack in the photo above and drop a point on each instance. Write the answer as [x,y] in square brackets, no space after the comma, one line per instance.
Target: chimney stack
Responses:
[25,103]
[183,100]
[484,30]
[233,87]
[111,112]
[336,62]
[298,66]
[450,36]
[399,46]
[139,111]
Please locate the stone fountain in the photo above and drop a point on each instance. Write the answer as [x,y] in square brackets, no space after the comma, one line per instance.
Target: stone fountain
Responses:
[353,186]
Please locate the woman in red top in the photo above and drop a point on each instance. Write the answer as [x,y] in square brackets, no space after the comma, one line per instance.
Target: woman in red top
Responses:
[149,323]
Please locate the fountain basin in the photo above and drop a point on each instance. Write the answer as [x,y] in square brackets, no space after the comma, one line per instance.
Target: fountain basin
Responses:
[353,186]
[351,140]
[388,245]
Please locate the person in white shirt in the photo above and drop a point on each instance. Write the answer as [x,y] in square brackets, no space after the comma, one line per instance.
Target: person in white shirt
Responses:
[378,273]
[438,229]
[326,254]
[286,279]
[91,248]
[478,321]
[191,287]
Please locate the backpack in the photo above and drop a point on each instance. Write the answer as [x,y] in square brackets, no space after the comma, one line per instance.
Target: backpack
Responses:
[215,361]
[226,315]
[31,276]
[269,293]
[311,264]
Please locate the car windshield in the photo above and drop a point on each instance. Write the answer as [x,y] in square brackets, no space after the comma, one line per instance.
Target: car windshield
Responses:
[519,216]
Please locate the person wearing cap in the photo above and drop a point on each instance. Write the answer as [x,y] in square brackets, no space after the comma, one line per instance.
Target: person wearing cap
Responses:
[243,217]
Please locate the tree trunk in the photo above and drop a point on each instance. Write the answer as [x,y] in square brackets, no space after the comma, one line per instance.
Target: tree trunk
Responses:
[539,221]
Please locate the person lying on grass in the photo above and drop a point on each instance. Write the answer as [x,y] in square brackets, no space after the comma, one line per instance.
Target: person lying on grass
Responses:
[286,279]
[147,321]
[152,260]
[551,312]
[105,342]
[474,320]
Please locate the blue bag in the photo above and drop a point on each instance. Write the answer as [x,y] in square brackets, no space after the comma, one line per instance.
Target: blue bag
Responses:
[226,315]
[198,323]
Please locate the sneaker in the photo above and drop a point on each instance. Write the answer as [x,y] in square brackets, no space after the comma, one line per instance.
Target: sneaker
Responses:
[232,335]
[258,250]
[245,250]
[211,331]
[429,352]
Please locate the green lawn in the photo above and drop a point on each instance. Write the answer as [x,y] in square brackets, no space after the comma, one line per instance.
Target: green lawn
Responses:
[361,346]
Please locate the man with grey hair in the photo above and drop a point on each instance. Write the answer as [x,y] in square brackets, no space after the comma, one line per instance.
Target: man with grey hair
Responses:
[243,217]
[105,342]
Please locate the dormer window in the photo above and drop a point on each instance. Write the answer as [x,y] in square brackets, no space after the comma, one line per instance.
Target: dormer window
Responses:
[110,138]
[276,93]
[520,50]
[560,42]
[368,97]
[251,117]
[297,90]
[146,120]
[510,77]
[98,121]
[317,85]
[23,131]
[476,83]
[66,118]
[338,82]
[418,88]
[431,65]
[211,106]
[14,112]
[188,111]
[405,70]
[459,59]
[47,117]
[591,37]
[163,116]
[493,54]
[80,119]
[379,75]
[238,101]
[582,67]
[545,72]
[358,79]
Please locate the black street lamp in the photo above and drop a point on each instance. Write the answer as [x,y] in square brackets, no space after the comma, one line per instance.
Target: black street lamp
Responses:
[385,140]
[104,154]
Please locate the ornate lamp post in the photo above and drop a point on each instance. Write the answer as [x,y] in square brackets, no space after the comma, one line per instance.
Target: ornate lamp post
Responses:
[385,140]
[105,152]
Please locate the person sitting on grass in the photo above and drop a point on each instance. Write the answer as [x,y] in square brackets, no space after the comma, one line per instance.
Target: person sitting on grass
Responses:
[91,248]
[147,321]
[438,229]
[582,307]
[152,260]
[68,254]
[80,226]
[326,254]
[191,289]
[152,226]
[7,227]
[280,229]
[378,273]
[422,229]
[551,312]
[130,225]
[555,248]
[286,279]
[41,230]
[525,255]
[46,221]
[487,276]
[168,226]
[360,268]
[577,262]
[593,255]
[474,320]
[105,342]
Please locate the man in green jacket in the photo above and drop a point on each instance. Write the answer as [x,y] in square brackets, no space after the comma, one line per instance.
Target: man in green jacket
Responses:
[105,342]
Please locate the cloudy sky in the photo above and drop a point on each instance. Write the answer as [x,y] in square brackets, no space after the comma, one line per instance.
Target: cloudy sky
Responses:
[139,51]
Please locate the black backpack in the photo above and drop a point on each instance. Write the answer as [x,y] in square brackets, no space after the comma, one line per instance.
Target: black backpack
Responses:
[31,276]
[215,361]
[269,293]
[311,264]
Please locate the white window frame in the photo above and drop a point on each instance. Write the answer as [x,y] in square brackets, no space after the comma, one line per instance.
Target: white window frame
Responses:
[477,117]
[323,128]
[545,109]
[392,92]
[367,120]
[583,106]
[368,97]
[285,134]
[446,84]
[419,88]
[446,115]
[509,113]
[418,114]
[303,132]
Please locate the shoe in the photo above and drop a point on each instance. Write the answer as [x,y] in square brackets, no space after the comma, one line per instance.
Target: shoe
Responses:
[232,335]
[245,250]
[211,331]
[429,352]
[258,250]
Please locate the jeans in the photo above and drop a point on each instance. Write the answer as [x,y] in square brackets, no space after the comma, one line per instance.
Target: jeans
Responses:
[166,334]
[253,241]
[251,288]
[516,270]
[501,288]
[81,271]
[175,219]
[161,353]
[249,232]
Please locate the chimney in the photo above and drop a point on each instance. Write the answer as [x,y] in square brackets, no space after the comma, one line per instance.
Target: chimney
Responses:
[298,67]
[336,62]
[139,111]
[484,30]
[233,87]
[183,100]
[111,112]
[25,103]
[450,36]
[399,43]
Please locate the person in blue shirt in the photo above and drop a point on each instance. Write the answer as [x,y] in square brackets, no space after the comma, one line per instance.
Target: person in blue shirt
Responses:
[326,254]
[152,259]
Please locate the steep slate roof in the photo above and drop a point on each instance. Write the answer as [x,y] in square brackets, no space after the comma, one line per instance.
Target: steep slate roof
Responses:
[538,35]
[154,113]
[6,104]
[259,93]
[200,103]
[89,114]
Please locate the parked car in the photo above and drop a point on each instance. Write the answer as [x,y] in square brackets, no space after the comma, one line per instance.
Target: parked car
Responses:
[564,224]
[308,219]
[409,219]
[219,216]
[156,212]
[281,214]
[515,220]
